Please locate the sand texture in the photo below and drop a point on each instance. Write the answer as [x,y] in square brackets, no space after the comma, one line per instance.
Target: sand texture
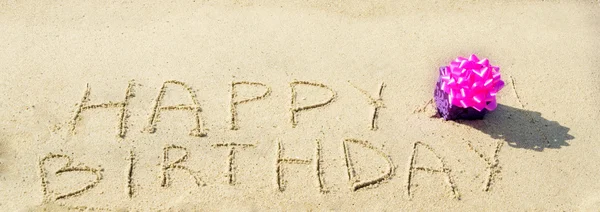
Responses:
[307,105]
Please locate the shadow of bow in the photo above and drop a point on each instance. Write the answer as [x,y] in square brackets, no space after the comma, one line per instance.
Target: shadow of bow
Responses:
[522,128]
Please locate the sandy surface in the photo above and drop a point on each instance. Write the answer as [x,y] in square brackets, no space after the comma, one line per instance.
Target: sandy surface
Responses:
[115,88]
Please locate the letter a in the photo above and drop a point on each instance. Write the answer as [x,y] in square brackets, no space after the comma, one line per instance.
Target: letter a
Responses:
[444,170]
[194,108]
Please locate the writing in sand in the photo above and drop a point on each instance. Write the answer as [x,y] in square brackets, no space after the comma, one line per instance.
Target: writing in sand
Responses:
[175,159]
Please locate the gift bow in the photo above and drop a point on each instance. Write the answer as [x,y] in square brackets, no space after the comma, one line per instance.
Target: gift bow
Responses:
[472,83]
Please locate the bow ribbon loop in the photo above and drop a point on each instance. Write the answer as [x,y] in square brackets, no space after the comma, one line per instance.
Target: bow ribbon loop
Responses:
[472,82]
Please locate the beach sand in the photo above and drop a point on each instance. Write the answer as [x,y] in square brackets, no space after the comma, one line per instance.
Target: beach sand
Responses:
[124,105]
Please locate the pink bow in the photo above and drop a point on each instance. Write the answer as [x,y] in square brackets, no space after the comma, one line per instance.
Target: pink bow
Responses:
[472,83]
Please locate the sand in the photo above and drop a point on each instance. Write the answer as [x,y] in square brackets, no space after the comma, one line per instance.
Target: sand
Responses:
[124,105]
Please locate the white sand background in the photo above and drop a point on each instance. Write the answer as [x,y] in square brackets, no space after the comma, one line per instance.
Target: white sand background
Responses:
[547,138]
